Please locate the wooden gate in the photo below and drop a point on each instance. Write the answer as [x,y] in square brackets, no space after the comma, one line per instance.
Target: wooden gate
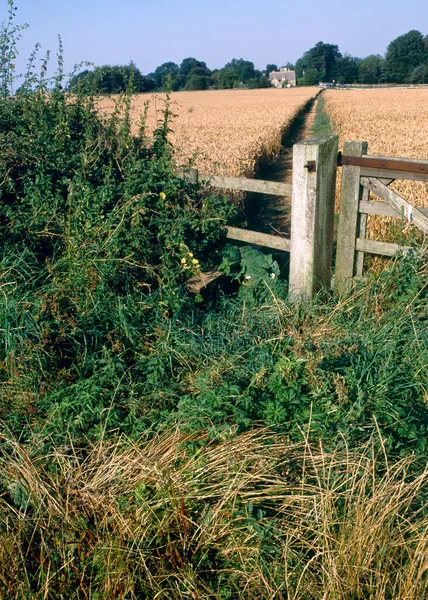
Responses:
[362,174]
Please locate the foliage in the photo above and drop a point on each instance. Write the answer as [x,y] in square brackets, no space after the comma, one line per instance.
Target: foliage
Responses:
[94,224]
[271,67]
[318,64]
[111,80]
[371,69]
[346,69]
[403,55]
[10,34]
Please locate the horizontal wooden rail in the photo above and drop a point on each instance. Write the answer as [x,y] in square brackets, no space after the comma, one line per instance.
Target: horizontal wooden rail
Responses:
[382,209]
[259,186]
[381,248]
[273,242]
[395,173]
[404,165]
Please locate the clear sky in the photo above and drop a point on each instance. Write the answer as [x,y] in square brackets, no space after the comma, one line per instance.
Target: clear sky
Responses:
[150,32]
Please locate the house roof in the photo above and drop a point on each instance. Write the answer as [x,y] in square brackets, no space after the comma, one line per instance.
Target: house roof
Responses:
[282,75]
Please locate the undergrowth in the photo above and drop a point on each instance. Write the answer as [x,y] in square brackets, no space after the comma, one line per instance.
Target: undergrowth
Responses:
[132,463]
[252,516]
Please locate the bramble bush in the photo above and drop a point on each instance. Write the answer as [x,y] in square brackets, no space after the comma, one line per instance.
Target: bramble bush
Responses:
[96,229]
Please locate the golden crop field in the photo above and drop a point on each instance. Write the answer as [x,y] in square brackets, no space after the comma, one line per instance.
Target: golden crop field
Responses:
[226,131]
[394,122]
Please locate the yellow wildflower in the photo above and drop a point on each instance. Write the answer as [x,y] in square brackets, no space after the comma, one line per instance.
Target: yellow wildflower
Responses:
[162,195]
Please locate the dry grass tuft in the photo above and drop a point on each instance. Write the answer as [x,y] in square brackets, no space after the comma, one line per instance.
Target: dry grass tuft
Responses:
[251,516]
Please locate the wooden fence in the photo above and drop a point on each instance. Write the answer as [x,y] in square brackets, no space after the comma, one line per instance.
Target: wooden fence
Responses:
[362,174]
[312,192]
[310,245]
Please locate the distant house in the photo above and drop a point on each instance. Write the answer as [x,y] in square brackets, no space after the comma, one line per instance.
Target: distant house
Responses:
[283,78]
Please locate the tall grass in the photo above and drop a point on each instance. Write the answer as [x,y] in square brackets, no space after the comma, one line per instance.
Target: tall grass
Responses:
[182,516]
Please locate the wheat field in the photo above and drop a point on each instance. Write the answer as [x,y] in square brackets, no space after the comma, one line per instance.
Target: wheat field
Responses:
[225,132]
[394,122]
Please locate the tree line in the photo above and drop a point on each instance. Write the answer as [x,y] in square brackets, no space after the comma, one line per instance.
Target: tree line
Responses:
[405,61]
[191,74]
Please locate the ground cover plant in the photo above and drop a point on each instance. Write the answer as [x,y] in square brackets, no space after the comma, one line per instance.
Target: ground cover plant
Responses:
[154,444]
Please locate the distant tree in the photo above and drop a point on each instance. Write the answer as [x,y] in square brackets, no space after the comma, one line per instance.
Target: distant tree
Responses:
[168,71]
[191,63]
[261,81]
[404,54]
[346,69]
[311,76]
[197,82]
[109,79]
[271,67]
[226,79]
[322,59]
[419,74]
[244,69]
[371,69]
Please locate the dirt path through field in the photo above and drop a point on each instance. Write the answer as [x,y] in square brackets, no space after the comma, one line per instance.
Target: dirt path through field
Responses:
[272,214]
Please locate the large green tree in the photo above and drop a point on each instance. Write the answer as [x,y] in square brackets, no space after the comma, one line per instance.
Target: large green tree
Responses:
[167,75]
[347,69]
[244,69]
[318,64]
[371,69]
[403,55]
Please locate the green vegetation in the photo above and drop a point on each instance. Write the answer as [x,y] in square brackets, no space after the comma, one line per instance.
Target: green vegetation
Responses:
[406,61]
[157,444]
[321,125]
[190,75]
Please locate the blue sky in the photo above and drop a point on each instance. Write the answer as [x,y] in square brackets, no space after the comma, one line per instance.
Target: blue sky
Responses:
[151,32]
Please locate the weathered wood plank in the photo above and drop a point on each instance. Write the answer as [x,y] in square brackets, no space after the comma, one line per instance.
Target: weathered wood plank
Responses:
[402,206]
[391,173]
[248,185]
[382,248]
[274,242]
[312,216]
[203,280]
[350,196]
[362,228]
[382,209]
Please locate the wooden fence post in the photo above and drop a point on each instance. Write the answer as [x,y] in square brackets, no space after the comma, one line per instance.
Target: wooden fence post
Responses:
[349,226]
[312,216]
